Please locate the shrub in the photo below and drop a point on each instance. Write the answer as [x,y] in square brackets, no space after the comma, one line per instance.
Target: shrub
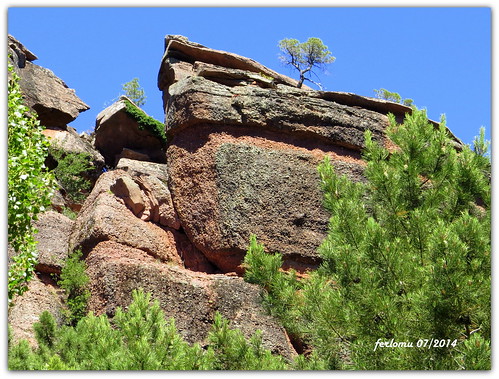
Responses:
[74,281]
[71,171]
[392,96]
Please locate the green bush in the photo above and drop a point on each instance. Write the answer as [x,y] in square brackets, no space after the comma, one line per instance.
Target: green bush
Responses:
[71,171]
[30,186]
[407,258]
[74,281]
[140,338]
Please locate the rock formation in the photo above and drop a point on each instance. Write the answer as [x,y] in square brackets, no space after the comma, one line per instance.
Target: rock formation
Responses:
[55,104]
[191,298]
[52,237]
[175,218]
[244,145]
[118,134]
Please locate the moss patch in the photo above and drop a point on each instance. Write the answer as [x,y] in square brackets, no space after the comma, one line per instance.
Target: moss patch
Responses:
[146,122]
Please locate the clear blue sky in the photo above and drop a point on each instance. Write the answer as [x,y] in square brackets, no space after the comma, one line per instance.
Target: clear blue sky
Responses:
[439,57]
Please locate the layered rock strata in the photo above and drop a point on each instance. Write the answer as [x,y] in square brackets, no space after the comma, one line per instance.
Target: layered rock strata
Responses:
[244,146]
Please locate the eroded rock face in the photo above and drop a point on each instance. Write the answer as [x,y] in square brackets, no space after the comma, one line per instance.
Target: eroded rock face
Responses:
[42,295]
[191,298]
[244,146]
[117,135]
[285,110]
[105,216]
[154,181]
[146,223]
[69,142]
[53,234]
[56,105]
[229,183]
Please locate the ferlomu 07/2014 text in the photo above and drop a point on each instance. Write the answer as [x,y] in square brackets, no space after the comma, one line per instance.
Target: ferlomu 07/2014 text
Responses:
[420,343]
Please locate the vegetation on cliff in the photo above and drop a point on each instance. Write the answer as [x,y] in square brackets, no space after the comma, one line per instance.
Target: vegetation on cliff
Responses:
[134,92]
[71,171]
[305,57]
[139,338]
[406,260]
[384,94]
[146,122]
[30,185]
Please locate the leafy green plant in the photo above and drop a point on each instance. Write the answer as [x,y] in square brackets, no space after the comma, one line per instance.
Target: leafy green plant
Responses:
[69,213]
[74,281]
[30,186]
[406,259]
[146,122]
[71,171]
[305,57]
[139,338]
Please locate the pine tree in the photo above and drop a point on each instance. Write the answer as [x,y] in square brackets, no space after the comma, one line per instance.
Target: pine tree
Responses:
[139,338]
[407,258]
[305,57]
[134,92]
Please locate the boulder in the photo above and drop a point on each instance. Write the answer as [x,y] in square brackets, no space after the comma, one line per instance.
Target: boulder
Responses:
[70,142]
[125,188]
[63,143]
[181,52]
[54,102]
[197,100]
[52,237]
[190,298]
[19,53]
[105,216]
[117,131]
[153,177]
[42,295]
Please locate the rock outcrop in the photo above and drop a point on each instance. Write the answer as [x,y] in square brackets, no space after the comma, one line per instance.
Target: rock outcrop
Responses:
[52,237]
[244,145]
[105,216]
[155,187]
[191,298]
[174,218]
[42,295]
[69,142]
[118,134]
[56,105]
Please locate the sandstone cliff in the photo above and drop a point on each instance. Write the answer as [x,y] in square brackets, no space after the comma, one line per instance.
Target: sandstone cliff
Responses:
[243,145]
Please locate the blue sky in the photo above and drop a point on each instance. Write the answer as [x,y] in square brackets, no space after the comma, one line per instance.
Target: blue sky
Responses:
[439,57]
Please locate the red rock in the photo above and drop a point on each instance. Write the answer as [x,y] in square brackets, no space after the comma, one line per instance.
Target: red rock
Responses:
[42,295]
[56,105]
[191,298]
[116,131]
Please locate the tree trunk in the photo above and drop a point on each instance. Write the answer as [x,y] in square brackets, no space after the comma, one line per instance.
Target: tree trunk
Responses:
[300,82]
